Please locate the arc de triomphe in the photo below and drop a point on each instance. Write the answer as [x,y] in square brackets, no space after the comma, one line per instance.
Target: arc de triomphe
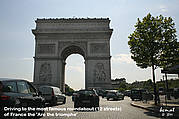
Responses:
[56,39]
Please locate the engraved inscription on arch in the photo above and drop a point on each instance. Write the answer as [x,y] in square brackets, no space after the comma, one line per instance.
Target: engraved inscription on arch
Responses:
[46,48]
[45,74]
[98,48]
[99,72]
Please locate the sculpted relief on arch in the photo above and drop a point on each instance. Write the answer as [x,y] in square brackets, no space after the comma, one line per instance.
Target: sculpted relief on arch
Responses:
[99,72]
[45,74]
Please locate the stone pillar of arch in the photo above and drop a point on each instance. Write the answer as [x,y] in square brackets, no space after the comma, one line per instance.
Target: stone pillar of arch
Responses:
[56,39]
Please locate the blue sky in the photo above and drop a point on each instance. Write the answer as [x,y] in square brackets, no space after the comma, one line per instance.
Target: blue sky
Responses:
[17,18]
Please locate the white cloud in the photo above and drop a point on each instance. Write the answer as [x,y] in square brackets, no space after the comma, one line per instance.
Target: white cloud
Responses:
[163,8]
[122,58]
[76,68]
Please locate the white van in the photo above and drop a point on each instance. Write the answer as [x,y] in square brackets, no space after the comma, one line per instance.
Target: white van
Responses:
[52,94]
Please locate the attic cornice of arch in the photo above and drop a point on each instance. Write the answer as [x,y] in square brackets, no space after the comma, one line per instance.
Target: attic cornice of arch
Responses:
[67,31]
[52,20]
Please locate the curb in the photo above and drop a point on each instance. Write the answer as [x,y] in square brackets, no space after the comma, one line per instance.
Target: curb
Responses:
[139,106]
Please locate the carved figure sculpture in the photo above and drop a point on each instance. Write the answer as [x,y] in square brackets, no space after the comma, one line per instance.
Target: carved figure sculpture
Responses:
[99,72]
[45,73]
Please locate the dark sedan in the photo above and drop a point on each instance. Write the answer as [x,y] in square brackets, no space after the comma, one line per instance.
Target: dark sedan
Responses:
[114,96]
[15,94]
[86,98]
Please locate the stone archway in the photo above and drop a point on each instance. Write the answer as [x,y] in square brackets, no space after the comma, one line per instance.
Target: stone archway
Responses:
[56,39]
[67,51]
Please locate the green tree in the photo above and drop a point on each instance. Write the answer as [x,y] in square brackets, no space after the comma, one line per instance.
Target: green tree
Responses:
[68,90]
[148,85]
[122,86]
[152,42]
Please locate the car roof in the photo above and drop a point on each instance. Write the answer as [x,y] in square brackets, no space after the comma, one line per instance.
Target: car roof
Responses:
[86,90]
[11,79]
[112,90]
[48,86]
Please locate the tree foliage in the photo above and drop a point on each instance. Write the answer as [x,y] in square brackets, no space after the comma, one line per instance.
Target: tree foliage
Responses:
[154,42]
[68,90]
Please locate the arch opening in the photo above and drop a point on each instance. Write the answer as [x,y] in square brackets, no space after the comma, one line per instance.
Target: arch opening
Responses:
[68,52]
[75,72]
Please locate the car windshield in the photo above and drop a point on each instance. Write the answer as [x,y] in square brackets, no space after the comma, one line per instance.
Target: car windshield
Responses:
[9,86]
[86,92]
[119,93]
[112,93]
[135,91]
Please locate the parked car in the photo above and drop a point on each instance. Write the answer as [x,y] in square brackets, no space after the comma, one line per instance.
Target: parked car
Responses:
[52,95]
[127,93]
[86,98]
[114,95]
[137,94]
[17,93]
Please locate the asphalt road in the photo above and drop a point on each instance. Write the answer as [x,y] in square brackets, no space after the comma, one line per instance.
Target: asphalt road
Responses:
[108,110]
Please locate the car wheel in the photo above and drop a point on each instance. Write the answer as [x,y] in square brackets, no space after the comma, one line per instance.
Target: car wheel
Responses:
[132,99]
[107,98]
